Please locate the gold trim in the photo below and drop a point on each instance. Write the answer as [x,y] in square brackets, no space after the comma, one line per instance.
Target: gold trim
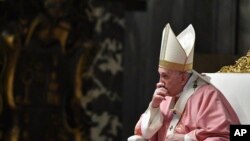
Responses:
[242,65]
[78,78]
[9,80]
[32,29]
[175,66]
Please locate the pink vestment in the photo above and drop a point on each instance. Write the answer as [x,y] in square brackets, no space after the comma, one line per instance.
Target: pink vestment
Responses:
[207,116]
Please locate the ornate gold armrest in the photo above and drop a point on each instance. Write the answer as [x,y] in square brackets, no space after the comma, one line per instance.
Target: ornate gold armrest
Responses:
[242,65]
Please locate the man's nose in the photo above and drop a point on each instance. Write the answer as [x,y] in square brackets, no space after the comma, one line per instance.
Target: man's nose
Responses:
[161,83]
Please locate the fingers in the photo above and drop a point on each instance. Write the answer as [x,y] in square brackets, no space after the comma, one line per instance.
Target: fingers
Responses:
[157,99]
[158,96]
[161,91]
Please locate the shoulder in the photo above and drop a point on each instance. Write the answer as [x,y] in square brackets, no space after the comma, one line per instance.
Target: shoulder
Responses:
[207,88]
[207,91]
[205,97]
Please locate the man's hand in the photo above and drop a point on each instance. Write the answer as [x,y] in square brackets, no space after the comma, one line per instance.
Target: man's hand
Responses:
[175,137]
[159,95]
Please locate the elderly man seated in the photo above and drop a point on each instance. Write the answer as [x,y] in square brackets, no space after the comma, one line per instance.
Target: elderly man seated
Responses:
[185,104]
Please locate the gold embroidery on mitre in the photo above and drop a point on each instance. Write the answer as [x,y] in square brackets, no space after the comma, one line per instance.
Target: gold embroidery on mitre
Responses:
[175,66]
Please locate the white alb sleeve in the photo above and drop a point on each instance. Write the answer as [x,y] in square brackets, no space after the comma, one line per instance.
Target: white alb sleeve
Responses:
[151,122]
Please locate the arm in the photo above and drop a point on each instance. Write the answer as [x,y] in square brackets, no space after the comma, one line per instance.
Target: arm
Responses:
[152,119]
[214,115]
[149,123]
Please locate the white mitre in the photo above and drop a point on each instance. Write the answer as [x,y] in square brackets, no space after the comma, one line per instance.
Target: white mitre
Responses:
[177,52]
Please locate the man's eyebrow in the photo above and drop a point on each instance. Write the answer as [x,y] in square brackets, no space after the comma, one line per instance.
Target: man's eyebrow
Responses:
[163,73]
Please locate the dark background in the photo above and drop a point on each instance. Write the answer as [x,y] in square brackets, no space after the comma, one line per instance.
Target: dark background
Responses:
[94,82]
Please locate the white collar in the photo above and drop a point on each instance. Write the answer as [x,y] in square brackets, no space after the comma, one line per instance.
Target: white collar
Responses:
[188,90]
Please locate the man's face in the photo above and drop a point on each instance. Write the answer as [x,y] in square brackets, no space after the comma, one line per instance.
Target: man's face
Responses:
[173,81]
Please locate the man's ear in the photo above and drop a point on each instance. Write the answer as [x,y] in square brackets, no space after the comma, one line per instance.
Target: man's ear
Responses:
[184,79]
